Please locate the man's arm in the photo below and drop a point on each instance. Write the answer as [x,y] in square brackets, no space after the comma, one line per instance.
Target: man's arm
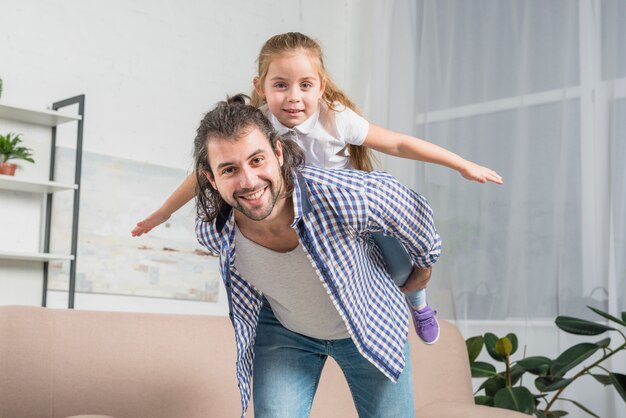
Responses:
[400,212]
[418,280]
[207,236]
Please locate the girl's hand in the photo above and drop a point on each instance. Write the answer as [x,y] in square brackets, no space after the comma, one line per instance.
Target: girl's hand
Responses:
[145,226]
[475,172]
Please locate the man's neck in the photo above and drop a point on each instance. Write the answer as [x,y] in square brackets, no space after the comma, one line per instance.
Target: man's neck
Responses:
[275,231]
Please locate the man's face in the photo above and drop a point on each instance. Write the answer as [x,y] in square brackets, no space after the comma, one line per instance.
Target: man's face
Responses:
[246,173]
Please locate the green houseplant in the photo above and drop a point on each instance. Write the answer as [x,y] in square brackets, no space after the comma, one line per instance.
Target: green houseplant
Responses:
[10,149]
[553,376]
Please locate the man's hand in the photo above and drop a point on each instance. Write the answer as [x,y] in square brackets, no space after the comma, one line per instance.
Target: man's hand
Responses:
[418,279]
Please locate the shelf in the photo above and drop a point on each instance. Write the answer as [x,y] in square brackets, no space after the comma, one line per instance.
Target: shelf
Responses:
[42,186]
[30,186]
[6,255]
[35,116]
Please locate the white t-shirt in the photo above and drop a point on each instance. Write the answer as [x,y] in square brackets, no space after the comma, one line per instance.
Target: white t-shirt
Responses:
[292,287]
[324,137]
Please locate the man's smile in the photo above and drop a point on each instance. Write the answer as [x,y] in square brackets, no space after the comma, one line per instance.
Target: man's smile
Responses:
[253,195]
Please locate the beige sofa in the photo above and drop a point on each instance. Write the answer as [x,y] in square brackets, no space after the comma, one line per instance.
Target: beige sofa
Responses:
[62,363]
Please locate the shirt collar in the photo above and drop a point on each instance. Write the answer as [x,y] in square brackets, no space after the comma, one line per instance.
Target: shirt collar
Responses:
[301,202]
[304,128]
[307,126]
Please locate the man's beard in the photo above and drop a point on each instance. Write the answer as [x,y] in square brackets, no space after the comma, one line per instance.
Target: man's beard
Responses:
[259,215]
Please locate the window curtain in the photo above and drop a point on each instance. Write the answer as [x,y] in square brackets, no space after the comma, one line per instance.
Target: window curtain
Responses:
[535,90]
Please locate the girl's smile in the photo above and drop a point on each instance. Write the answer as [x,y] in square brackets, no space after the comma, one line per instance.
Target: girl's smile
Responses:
[292,88]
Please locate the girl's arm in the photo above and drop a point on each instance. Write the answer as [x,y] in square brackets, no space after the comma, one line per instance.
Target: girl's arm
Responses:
[183,194]
[405,146]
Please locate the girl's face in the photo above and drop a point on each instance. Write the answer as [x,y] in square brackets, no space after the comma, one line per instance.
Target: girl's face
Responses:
[292,88]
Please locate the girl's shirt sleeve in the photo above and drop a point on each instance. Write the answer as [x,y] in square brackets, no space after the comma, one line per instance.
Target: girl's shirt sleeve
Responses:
[351,127]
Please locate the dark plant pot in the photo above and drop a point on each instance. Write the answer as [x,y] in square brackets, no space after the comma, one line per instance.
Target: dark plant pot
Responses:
[8,169]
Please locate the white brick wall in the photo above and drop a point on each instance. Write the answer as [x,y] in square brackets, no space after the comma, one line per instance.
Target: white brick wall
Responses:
[150,69]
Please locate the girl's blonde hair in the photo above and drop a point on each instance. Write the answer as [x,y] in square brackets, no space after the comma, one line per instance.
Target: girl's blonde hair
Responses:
[290,42]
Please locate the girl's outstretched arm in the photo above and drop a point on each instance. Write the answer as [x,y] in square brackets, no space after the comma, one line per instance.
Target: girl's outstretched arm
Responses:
[405,146]
[183,194]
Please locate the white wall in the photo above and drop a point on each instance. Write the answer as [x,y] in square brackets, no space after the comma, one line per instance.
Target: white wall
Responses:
[149,70]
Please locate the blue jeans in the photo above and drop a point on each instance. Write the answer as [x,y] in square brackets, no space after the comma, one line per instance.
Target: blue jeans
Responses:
[399,265]
[288,365]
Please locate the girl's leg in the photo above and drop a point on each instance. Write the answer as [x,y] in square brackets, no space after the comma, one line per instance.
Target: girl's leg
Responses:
[399,266]
[287,368]
[416,299]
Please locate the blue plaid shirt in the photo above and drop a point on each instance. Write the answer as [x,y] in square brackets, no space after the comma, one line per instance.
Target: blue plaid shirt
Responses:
[335,212]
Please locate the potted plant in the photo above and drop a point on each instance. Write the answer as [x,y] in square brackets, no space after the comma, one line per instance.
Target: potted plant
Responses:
[10,149]
[553,376]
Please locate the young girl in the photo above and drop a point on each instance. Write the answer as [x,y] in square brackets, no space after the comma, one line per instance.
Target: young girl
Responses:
[296,93]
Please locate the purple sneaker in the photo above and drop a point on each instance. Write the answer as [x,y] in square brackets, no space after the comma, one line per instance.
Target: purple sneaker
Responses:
[426,324]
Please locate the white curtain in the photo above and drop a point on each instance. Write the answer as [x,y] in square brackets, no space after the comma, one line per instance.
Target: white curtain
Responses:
[536,90]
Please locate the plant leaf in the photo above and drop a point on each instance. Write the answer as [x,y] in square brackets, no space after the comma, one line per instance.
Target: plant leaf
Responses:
[602,378]
[538,365]
[540,414]
[474,347]
[603,343]
[619,381]
[516,399]
[504,347]
[493,385]
[483,400]
[516,374]
[482,369]
[490,344]
[572,357]
[580,326]
[624,316]
[513,338]
[556,414]
[608,316]
[581,406]
[10,150]
[550,384]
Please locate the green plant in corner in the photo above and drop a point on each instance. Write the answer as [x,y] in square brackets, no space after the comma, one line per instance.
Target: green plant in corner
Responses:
[504,390]
[10,149]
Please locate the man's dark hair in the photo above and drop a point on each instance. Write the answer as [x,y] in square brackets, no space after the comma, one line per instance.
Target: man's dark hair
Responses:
[231,120]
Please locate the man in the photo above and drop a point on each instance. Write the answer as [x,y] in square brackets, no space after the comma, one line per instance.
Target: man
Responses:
[303,276]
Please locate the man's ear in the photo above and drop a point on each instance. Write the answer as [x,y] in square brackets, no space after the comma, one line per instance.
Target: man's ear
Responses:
[278,150]
[209,177]
[258,87]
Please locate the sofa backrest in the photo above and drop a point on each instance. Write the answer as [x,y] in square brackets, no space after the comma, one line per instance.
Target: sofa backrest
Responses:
[59,363]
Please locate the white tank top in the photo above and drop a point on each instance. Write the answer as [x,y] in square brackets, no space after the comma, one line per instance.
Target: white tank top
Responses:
[292,287]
